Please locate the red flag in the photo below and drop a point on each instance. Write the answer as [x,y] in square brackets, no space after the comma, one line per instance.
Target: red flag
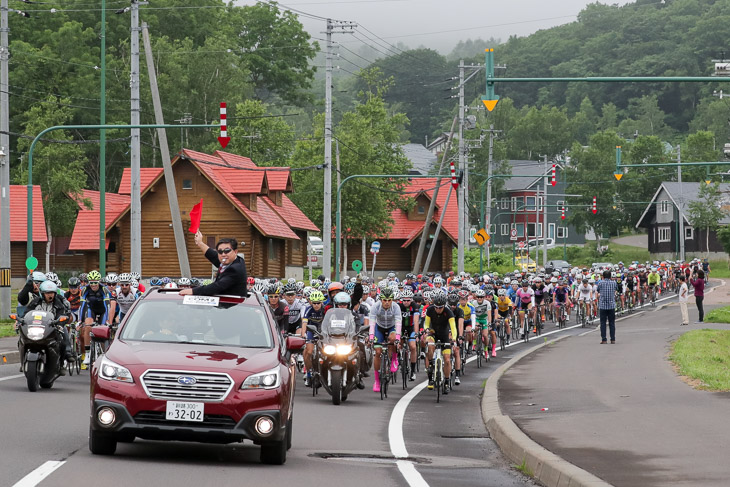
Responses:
[195,215]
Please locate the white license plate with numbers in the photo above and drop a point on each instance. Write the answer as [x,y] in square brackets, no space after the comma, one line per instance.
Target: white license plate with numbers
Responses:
[184,411]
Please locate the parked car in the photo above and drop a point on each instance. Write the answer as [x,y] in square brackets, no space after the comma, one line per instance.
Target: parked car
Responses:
[210,369]
[316,245]
[539,242]
[526,264]
[597,265]
[557,265]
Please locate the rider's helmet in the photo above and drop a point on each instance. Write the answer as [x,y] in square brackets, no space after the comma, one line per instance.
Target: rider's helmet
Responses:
[170,285]
[341,298]
[274,288]
[463,294]
[438,298]
[316,296]
[350,288]
[335,286]
[111,278]
[290,288]
[155,281]
[480,293]
[525,283]
[51,276]
[501,291]
[48,287]
[438,280]
[125,278]
[453,299]
[387,293]
[183,281]
[260,287]
[135,275]
[406,293]
[366,289]
[94,276]
[591,281]
[74,282]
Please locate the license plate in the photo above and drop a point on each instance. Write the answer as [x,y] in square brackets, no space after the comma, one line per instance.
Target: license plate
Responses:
[184,411]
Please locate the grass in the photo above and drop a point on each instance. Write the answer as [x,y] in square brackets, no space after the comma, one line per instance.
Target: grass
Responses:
[718,315]
[704,357]
[524,468]
[6,330]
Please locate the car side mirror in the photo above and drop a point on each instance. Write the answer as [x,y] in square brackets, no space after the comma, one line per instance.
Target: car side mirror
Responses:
[295,343]
[100,333]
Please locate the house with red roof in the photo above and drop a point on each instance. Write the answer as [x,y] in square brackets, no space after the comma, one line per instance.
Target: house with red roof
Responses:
[398,248]
[240,200]
[19,229]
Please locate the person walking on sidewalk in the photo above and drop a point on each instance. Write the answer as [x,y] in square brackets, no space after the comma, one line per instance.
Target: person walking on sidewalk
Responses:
[606,289]
[698,282]
[683,296]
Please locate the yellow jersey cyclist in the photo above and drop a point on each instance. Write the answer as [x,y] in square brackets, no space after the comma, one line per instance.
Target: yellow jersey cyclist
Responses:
[440,323]
[469,316]
[653,280]
[483,320]
[504,309]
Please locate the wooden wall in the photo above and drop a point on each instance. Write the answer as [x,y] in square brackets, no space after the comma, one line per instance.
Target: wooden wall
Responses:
[18,254]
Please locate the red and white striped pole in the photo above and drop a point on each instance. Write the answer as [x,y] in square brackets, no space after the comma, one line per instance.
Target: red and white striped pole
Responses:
[224,139]
[553,181]
[454,182]
[562,213]
[595,210]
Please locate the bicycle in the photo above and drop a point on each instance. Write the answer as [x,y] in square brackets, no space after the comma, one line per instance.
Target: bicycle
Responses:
[99,347]
[582,314]
[385,374]
[405,361]
[561,316]
[73,336]
[501,333]
[653,296]
[526,329]
[437,368]
[538,321]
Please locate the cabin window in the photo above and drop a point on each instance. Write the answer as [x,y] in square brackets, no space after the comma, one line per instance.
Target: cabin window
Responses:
[273,250]
[562,232]
[665,207]
[421,209]
[688,233]
[187,184]
[504,229]
[665,234]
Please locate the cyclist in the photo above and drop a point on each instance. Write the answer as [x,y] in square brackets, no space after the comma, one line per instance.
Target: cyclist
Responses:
[584,296]
[313,315]
[279,308]
[385,327]
[483,320]
[296,306]
[525,302]
[643,279]
[440,322]
[653,280]
[504,309]
[560,298]
[73,296]
[468,310]
[411,316]
[126,294]
[706,269]
[95,308]
[540,292]
[452,300]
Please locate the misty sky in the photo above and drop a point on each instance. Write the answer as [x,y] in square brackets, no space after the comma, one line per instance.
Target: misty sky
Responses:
[423,22]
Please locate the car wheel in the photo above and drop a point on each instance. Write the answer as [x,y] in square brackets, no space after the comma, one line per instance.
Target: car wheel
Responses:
[101,445]
[274,453]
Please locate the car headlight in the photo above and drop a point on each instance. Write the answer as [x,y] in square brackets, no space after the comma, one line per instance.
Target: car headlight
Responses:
[109,370]
[330,349]
[263,380]
[344,349]
[36,332]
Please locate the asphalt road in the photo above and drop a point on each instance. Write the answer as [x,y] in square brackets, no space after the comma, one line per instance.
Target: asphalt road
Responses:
[353,442]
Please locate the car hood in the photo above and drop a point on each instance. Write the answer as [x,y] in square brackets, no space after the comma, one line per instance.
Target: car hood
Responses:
[184,356]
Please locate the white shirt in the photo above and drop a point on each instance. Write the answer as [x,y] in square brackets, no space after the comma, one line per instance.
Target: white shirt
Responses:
[683,293]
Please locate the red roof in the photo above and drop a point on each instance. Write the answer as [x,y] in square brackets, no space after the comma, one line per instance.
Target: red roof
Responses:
[19,214]
[86,230]
[292,214]
[409,230]
[241,182]
[146,176]
[234,160]
[278,180]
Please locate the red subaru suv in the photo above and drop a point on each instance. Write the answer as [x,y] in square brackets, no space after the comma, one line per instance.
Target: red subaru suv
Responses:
[209,369]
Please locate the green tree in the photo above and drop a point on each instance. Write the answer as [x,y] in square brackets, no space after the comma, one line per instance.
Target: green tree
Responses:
[57,168]
[544,131]
[706,211]
[701,147]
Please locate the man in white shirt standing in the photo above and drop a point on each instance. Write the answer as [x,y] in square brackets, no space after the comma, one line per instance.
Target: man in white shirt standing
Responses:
[683,296]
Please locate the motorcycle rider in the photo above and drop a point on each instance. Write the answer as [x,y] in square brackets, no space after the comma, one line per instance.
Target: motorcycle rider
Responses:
[52,302]
[30,290]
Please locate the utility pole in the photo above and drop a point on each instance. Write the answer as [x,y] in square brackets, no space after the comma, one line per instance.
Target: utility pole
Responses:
[333,27]
[102,145]
[462,164]
[545,214]
[681,203]
[4,163]
[182,252]
[135,229]
[488,222]
[339,205]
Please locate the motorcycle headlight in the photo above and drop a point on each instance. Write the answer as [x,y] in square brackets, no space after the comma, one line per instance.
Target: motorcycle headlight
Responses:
[329,349]
[344,349]
[109,370]
[36,332]
[263,380]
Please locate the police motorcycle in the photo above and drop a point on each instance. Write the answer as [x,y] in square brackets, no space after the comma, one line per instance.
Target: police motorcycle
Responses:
[338,354]
[39,344]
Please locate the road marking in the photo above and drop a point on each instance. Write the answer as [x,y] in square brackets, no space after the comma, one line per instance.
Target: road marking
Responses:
[36,476]
[409,472]
[11,377]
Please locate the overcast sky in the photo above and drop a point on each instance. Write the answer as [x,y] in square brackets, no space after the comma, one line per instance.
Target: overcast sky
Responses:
[440,24]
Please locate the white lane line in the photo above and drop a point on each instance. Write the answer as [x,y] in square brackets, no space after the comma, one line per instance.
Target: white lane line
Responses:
[409,472]
[11,377]
[36,476]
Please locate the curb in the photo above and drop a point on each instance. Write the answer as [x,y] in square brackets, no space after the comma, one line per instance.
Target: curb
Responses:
[9,357]
[546,467]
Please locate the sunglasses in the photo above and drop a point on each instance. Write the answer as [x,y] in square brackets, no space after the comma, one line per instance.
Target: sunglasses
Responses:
[386,300]
[224,251]
[125,285]
[438,307]
[92,283]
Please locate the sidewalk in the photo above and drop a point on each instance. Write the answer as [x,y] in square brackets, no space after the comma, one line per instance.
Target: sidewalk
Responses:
[9,350]
[620,411]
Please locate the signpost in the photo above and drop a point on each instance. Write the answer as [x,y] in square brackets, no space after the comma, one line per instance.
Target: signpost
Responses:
[513,235]
[374,249]
[472,232]
[481,237]
[357,266]
[31,263]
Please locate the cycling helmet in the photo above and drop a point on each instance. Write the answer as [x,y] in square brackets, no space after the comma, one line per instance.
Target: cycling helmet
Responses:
[170,285]
[155,281]
[134,283]
[391,275]
[194,281]
[307,291]
[74,282]
[290,288]
[124,277]
[335,286]
[387,293]
[366,289]
[407,293]
[183,281]
[274,288]
[206,282]
[350,288]
[538,280]
[553,280]
[83,276]
[438,280]
[291,280]
[259,287]
[94,276]
[480,293]
[524,283]
[438,298]
[456,282]
[166,280]
[591,281]
[428,294]
[300,287]
[135,275]
[507,280]
[111,278]
[316,296]
[614,275]
[489,291]
[341,298]
[51,276]
[501,292]
[463,294]
[452,299]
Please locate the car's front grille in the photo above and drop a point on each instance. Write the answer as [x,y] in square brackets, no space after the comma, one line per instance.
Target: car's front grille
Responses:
[157,418]
[177,384]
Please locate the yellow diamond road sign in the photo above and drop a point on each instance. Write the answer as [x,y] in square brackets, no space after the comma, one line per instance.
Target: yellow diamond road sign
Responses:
[481,236]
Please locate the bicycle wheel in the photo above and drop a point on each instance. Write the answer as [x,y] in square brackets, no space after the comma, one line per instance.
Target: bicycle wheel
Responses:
[538,323]
[502,338]
[71,367]
[404,366]
[439,378]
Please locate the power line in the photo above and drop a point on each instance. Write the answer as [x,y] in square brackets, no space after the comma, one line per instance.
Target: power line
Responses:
[58,141]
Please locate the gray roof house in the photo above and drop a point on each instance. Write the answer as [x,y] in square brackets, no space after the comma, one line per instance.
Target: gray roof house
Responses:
[423,160]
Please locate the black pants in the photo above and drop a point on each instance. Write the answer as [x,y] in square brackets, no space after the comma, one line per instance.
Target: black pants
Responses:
[700,308]
[610,315]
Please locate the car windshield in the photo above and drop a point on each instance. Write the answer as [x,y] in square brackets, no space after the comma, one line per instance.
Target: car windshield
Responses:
[226,324]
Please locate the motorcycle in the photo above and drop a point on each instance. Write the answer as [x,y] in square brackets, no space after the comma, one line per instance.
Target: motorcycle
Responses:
[39,344]
[338,351]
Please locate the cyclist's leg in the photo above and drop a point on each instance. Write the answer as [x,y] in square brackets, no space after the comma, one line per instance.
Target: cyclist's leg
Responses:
[393,350]
[413,351]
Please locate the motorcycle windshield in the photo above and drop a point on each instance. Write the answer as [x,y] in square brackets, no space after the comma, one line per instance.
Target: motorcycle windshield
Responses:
[38,318]
[338,322]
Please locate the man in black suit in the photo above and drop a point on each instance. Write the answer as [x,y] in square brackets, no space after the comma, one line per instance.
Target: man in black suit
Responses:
[231,277]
